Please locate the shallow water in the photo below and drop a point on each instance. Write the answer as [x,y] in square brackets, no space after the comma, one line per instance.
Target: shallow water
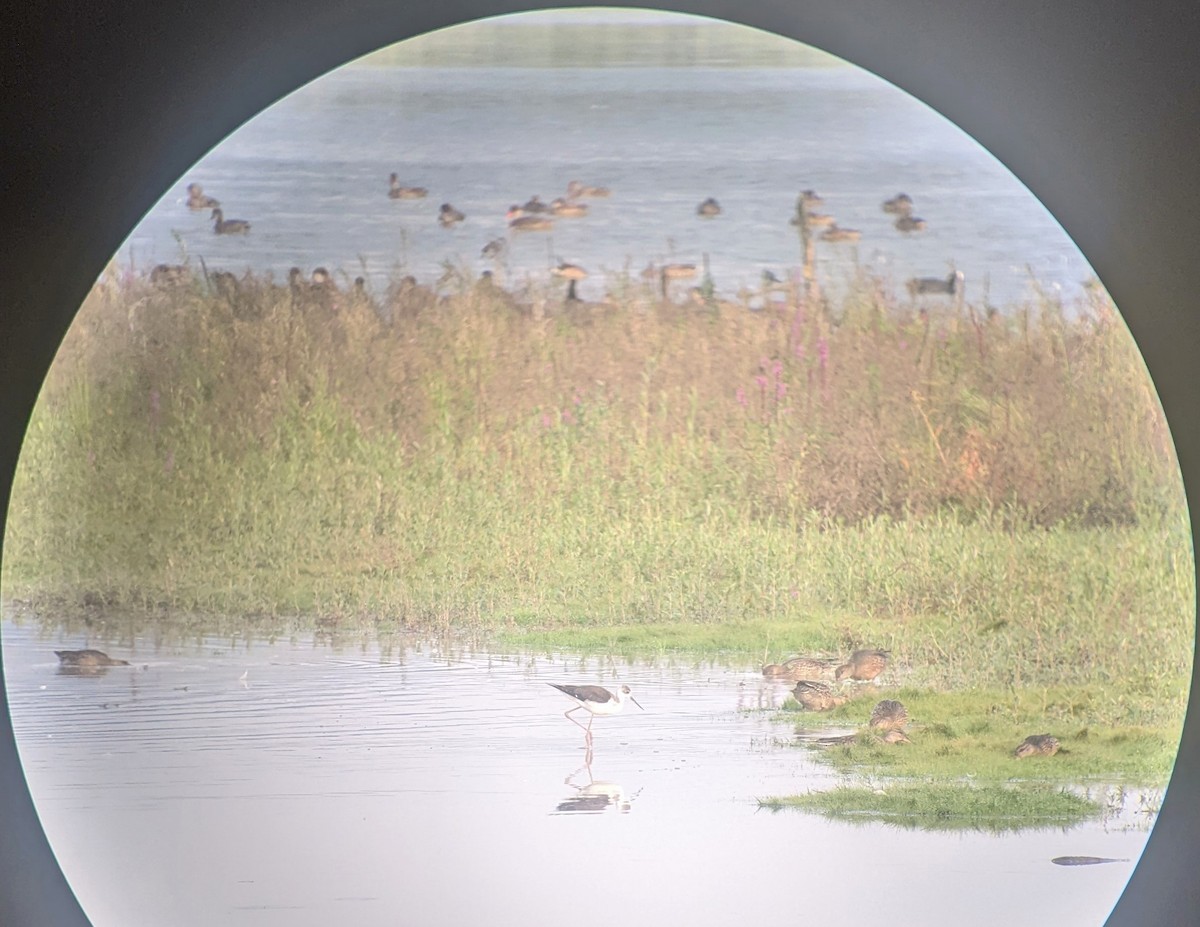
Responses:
[311,175]
[291,782]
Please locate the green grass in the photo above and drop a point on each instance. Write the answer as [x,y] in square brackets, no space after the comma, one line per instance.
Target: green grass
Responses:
[988,808]
[1105,735]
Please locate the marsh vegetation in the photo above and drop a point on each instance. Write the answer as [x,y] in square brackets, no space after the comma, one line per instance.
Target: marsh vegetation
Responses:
[993,497]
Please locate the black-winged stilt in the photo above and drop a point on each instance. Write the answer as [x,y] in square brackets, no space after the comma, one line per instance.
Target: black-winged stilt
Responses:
[596,700]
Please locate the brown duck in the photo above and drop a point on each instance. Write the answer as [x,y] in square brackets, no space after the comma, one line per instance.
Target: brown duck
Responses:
[87,658]
[817,696]
[798,668]
[1037,745]
[889,715]
[863,665]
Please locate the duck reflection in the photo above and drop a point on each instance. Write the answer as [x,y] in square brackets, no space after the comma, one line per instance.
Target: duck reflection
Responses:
[595,795]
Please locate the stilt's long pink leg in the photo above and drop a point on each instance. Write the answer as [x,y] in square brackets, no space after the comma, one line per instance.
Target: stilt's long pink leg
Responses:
[567,715]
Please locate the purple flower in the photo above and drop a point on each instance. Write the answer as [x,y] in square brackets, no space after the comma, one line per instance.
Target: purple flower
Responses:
[777,368]
[741,396]
[823,350]
[547,420]
[780,391]
[761,381]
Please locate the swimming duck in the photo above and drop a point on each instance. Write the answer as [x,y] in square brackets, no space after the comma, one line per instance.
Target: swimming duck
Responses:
[837,233]
[572,272]
[935,285]
[223,226]
[1037,745]
[561,207]
[900,204]
[889,715]
[817,696]
[807,199]
[87,658]
[670,272]
[534,205]
[863,665]
[448,216]
[575,190]
[910,224]
[518,221]
[678,271]
[197,200]
[814,220]
[709,208]
[397,192]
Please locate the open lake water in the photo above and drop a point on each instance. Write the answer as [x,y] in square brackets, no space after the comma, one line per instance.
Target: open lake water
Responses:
[294,782]
[310,174]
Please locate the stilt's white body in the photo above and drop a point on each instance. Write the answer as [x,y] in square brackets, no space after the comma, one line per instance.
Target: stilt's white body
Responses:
[596,700]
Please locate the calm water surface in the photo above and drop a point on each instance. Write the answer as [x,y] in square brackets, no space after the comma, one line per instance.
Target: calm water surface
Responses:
[298,783]
[311,175]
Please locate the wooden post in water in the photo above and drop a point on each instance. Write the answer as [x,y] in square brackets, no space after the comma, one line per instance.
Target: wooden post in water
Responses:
[808,249]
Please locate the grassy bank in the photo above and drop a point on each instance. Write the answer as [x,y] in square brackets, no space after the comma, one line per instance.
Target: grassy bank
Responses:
[1108,733]
[994,498]
[991,809]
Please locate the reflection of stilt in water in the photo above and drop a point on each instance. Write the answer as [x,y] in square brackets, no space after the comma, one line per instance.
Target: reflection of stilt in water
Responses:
[596,796]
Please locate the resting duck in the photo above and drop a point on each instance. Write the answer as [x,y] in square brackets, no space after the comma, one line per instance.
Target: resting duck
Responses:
[448,216]
[814,220]
[908,224]
[197,200]
[817,696]
[397,192]
[863,665]
[561,207]
[518,221]
[534,205]
[223,226]
[575,190]
[900,204]
[798,668]
[935,285]
[709,208]
[837,233]
[889,715]
[87,658]
[1037,745]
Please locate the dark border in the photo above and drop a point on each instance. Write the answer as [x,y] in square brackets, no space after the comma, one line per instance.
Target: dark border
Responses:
[1092,104]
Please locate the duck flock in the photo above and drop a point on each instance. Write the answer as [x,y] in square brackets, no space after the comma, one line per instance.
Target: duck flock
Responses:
[888,718]
[535,215]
